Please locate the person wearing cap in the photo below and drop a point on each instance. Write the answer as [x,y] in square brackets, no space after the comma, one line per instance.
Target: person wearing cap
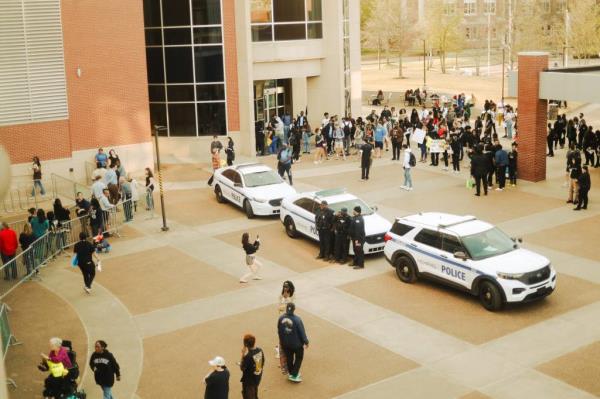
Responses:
[217,381]
[358,238]
[341,226]
[584,183]
[292,336]
[251,364]
[324,224]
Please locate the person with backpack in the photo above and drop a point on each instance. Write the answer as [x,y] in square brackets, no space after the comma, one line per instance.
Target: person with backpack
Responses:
[292,336]
[285,162]
[251,364]
[105,368]
[409,162]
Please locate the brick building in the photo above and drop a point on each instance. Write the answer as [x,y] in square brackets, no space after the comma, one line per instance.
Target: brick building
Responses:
[77,75]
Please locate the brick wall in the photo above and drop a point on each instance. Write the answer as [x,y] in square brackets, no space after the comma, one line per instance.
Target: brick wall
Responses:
[231,75]
[532,114]
[47,140]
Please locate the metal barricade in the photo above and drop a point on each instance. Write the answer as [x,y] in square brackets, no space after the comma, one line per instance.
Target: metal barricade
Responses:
[90,167]
[7,337]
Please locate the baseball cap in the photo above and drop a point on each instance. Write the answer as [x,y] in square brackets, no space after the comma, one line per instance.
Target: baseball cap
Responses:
[217,361]
[344,209]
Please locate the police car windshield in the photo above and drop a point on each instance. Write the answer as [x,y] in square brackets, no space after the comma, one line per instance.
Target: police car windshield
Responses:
[488,243]
[350,204]
[263,178]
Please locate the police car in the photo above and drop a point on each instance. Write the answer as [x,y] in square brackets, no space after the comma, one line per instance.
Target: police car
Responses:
[254,187]
[470,255]
[298,216]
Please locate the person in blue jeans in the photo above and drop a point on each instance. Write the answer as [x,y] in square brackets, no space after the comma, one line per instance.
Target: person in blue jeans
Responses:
[37,177]
[285,162]
[380,134]
[306,138]
[105,368]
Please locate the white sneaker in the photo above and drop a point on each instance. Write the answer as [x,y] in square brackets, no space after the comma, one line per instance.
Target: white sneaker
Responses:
[257,278]
[87,290]
[499,189]
[409,188]
[243,281]
[403,187]
[276,352]
[445,168]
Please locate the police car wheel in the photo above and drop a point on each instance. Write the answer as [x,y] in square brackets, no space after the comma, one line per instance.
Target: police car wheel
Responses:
[489,296]
[248,209]
[405,269]
[290,227]
[219,195]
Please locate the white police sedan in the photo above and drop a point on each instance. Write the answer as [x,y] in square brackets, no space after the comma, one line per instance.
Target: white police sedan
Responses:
[298,216]
[470,255]
[254,187]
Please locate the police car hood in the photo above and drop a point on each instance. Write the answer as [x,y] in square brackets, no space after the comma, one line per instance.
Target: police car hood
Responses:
[270,192]
[375,224]
[518,261]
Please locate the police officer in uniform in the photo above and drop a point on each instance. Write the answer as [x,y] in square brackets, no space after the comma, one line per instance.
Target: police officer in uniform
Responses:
[358,238]
[324,223]
[341,226]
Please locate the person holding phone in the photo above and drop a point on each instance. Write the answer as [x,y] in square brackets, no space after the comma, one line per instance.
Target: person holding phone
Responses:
[251,262]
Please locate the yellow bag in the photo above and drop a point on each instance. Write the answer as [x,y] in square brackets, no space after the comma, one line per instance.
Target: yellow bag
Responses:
[57,369]
[223,163]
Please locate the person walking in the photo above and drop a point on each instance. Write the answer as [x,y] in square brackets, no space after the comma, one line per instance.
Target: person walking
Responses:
[584,183]
[105,368]
[230,151]
[358,238]
[215,144]
[217,381]
[85,252]
[251,364]
[409,161]
[287,296]
[366,158]
[501,162]
[294,341]
[37,176]
[8,250]
[550,141]
[479,168]
[324,224]
[149,189]
[251,262]
[341,227]
[284,164]
[215,163]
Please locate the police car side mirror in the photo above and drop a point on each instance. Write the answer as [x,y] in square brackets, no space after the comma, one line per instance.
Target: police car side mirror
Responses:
[520,240]
[374,208]
[460,255]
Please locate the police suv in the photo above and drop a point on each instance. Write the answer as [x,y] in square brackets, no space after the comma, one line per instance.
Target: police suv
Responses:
[254,187]
[298,216]
[470,255]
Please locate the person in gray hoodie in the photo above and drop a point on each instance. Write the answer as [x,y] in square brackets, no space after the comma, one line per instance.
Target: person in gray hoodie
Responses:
[293,341]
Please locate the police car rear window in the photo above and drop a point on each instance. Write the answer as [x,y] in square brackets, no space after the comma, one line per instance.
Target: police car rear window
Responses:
[401,228]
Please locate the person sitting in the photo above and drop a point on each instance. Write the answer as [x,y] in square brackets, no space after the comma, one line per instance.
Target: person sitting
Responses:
[58,363]
[379,99]
[101,244]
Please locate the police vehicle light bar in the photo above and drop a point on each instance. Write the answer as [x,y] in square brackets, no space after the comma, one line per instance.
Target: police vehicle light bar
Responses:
[330,193]
[246,165]
[459,221]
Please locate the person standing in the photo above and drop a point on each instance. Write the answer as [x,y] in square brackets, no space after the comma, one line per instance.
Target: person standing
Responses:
[324,225]
[574,169]
[396,135]
[253,265]
[8,249]
[217,381]
[85,252]
[251,364]
[456,148]
[215,163]
[286,118]
[584,183]
[501,161]
[550,141]
[149,189]
[512,165]
[230,152]
[338,141]
[286,296]
[126,194]
[358,238]
[105,368]
[306,138]
[40,224]
[215,144]
[37,176]
[479,168]
[26,239]
[292,336]
[341,226]
[380,134]
[366,157]
[409,161]
[101,158]
[284,164]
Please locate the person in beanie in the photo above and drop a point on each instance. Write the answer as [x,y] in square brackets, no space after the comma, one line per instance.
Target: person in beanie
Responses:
[105,368]
[293,341]
[358,238]
[217,381]
[251,364]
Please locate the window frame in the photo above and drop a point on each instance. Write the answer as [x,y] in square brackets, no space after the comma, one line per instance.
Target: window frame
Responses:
[272,24]
[429,231]
[469,8]
[308,201]
[489,7]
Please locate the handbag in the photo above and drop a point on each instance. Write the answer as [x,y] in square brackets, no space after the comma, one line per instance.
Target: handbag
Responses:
[74,260]
[470,183]
[99,266]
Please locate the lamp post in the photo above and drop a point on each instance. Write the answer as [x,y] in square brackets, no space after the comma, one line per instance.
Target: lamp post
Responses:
[424,68]
[158,128]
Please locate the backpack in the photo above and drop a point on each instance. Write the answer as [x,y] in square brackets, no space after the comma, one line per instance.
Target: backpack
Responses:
[412,160]
[284,156]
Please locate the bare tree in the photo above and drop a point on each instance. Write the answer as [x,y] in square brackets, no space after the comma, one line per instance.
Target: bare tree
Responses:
[442,31]
[375,33]
[584,33]
[401,32]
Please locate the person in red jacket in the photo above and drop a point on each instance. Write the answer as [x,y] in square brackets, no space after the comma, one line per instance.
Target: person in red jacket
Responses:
[8,249]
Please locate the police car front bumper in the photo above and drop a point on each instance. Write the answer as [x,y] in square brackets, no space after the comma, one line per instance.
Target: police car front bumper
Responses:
[264,208]
[516,291]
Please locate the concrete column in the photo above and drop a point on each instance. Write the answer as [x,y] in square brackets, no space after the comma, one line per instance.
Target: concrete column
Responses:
[421,8]
[532,117]
[299,95]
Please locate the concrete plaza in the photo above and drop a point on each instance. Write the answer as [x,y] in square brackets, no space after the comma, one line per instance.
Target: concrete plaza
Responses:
[168,302]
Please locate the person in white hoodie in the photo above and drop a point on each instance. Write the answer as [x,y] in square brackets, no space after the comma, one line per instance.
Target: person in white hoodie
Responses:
[407,163]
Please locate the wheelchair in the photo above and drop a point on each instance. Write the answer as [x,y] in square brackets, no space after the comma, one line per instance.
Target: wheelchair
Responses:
[64,387]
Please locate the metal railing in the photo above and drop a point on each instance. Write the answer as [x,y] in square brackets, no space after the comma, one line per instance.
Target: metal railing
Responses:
[67,188]
[8,339]
[22,196]
[90,167]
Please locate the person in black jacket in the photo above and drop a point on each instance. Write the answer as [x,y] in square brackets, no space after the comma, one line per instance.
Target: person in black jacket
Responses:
[358,238]
[230,151]
[252,365]
[574,170]
[105,368]
[324,224]
[217,381]
[341,226]
[490,154]
[292,336]
[251,261]
[512,165]
[584,183]
[366,151]
[479,170]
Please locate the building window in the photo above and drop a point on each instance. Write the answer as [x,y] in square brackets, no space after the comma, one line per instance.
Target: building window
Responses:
[489,7]
[449,7]
[561,6]
[185,62]
[470,7]
[32,69]
[346,47]
[281,20]
[546,6]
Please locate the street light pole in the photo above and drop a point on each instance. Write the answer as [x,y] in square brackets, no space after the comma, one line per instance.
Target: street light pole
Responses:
[503,71]
[424,67]
[160,183]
